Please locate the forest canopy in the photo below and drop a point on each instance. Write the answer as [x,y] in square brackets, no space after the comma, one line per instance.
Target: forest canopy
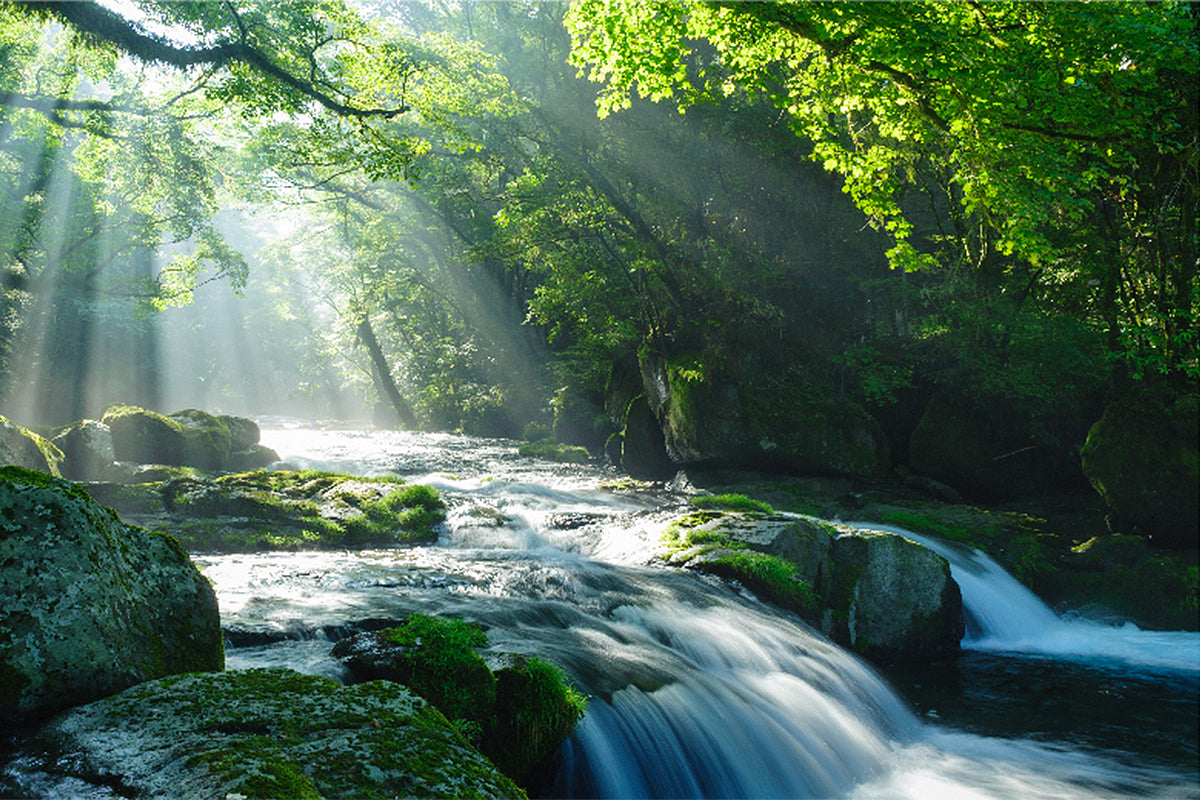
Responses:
[484,215]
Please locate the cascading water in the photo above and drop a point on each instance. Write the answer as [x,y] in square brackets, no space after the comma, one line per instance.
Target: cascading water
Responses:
[696,690]
[1005,616]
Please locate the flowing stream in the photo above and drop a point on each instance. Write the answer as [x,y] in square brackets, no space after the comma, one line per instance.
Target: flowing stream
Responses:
[695,689]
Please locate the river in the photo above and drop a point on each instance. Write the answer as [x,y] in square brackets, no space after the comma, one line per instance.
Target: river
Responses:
[697,689]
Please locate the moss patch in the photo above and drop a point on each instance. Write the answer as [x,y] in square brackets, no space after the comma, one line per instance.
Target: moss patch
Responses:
[731,502]
[281,510]
[555,451]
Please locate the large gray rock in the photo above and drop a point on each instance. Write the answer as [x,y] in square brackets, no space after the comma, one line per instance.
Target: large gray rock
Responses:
[87,449]
[878,593]
[24,448]
[898,596]
[270,733]
[91,606]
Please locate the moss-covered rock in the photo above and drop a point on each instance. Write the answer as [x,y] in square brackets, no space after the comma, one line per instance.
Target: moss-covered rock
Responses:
[898,597]
[280,510]
[271,734]
[24,448]
[880,594]
[1142,458]
[91,605]
[517,715]
[87,450]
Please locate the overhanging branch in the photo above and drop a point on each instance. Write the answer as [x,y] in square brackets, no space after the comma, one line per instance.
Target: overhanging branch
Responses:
[94,20]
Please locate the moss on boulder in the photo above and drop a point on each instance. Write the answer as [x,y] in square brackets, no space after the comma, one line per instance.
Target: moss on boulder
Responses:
[280,510]
[271,734]
[880,594]
[91,605]
[189,437]
[517,715]
[24,448]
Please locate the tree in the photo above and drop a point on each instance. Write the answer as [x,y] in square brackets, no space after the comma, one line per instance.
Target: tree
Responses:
[1023,120]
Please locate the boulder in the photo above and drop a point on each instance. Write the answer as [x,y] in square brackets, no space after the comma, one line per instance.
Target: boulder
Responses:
[186,438]
[1141,456]
[91,605]
[897,597]
[518,715]
[24,448]
[87,449]
[256,456]
[278,510]
[243,433]
[781,416]
[878,593]
[269,733]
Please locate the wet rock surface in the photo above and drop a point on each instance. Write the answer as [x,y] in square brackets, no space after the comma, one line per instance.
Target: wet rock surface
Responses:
[91,605]
[268,733]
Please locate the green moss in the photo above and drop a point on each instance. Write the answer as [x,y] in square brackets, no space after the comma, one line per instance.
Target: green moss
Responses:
[32,477]
[535,710]
[732,502]
[439,663]
[555,451]
[772,576]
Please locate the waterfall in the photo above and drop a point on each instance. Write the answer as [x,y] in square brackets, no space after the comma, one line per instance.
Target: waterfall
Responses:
[1003,615]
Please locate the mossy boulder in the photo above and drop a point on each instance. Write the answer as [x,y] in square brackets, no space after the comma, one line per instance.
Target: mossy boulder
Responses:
[24,448]
[280,510]
[779,415]
[1141,456]
[517,715]
[880,594]
[91,605]
[270,734]
[87,449]
[190,437]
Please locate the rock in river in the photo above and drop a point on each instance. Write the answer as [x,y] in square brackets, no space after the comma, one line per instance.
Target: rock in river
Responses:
[270,733]
[91,606]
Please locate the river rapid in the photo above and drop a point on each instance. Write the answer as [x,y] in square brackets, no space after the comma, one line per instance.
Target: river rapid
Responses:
[695,688]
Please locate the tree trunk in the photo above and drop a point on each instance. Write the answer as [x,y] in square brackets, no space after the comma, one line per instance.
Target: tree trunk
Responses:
[383,374]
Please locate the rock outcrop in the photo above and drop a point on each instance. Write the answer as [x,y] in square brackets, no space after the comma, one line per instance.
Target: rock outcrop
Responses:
[1142,459]
[877,593]
[91,605]
[270,734]
[24,448]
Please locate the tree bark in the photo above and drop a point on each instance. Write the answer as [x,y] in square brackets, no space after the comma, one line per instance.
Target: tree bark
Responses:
[383,373]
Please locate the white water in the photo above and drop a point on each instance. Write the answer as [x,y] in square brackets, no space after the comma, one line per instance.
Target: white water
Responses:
[1009,618]
[695,690]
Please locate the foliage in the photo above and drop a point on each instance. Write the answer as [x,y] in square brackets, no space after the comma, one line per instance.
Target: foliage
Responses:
[731,502]
[1051,138]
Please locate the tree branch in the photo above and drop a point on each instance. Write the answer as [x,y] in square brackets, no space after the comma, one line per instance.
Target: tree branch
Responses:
[94,20]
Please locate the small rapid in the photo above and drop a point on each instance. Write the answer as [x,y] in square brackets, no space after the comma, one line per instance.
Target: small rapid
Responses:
[1004,616]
